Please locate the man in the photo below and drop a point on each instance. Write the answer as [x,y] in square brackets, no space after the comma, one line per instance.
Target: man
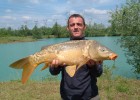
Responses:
[82,86]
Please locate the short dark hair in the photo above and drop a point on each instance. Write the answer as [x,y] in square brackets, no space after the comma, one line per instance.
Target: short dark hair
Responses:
[76,15]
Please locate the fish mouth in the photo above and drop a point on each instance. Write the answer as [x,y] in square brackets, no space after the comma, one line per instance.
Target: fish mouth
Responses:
[113,56]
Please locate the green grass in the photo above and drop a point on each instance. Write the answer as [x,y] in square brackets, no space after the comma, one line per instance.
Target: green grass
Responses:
[12,39]
[110,88]
[31,91]
[117,87]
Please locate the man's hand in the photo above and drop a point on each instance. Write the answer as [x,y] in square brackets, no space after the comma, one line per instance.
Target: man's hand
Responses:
[55,63]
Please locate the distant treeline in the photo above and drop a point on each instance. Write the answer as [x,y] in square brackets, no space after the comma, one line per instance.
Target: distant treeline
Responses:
[56,30]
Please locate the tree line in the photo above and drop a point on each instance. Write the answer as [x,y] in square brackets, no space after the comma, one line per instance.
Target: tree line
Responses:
[56,31]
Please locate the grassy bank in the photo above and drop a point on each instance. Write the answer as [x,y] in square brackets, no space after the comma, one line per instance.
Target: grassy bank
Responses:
[109,89]
[12,39]
[30,91]
[119,89]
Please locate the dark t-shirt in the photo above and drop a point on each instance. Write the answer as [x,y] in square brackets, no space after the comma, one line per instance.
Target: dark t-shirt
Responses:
[82,86]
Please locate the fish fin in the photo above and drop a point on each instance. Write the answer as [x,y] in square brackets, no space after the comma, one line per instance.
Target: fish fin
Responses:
[27,67]
[81,64]
[45,66]
[27,71]
[19,64]
[71,70]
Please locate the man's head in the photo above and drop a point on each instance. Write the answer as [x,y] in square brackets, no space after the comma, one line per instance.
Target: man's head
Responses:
[76,26]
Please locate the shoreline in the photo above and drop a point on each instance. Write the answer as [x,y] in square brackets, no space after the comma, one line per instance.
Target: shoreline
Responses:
[15,39]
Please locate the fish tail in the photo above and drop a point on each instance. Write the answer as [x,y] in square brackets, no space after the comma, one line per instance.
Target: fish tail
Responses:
[20,63]
[27,71]
[27,67]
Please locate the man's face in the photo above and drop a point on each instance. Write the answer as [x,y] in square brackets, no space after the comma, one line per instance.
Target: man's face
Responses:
[76,27]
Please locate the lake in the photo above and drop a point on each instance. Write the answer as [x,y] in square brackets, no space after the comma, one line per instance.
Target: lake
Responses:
[13,51]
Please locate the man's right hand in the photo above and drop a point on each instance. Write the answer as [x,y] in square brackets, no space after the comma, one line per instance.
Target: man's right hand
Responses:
[55,63]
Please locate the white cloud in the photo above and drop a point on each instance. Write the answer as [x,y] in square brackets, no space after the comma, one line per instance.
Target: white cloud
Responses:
[95,11]
[30,1]
[97,16]
[24,1]
[89,1]
[26,17]
[103,1]
[9,17]
[17,1]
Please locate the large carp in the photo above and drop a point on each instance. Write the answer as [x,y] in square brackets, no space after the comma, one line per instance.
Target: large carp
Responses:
[73,53]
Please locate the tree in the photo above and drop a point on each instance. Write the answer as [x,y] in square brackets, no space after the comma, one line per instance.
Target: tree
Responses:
[36,34]
[126,21]
[24,31]
[56,30]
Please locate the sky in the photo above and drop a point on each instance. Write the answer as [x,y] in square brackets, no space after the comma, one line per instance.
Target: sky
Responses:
[14,13]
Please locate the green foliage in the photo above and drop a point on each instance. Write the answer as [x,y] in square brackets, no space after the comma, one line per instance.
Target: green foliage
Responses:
[126,21]
[56,30]
[6,31]
[96,30]
[59,31]
[36,33]
[122,87]
[24,31]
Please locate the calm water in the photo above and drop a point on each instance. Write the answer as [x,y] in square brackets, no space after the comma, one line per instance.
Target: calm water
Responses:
[14,51]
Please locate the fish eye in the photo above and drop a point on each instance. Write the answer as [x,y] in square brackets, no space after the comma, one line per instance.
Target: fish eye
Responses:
[103,49]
